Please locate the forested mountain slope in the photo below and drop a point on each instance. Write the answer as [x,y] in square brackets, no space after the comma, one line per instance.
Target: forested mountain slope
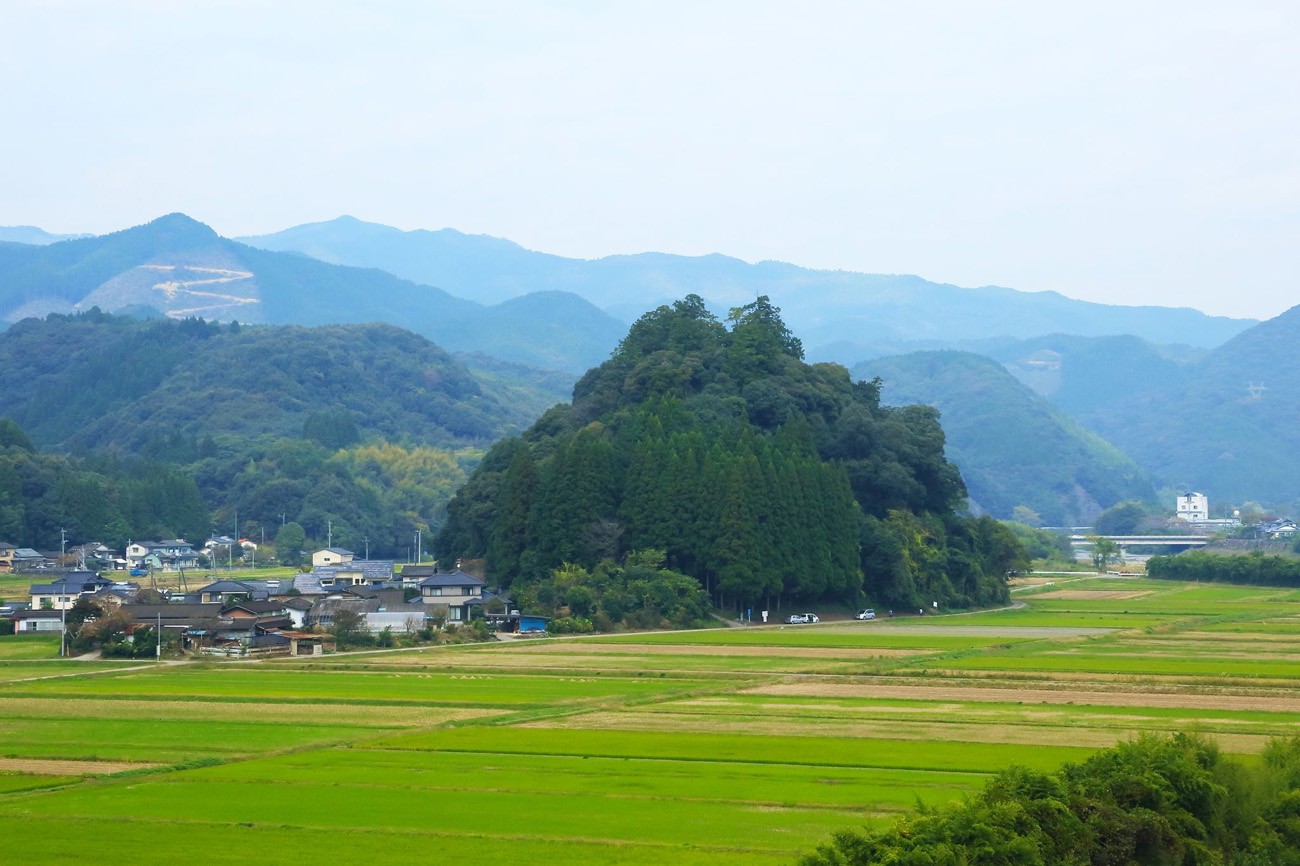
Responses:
[365,428]
[761,476]
[95,381]
[1011,445]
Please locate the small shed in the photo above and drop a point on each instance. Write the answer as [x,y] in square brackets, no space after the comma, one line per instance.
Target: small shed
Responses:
[529,624]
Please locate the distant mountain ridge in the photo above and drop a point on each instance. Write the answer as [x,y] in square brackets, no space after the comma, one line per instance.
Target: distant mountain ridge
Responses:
[178,267]
[33,235]
[825,307]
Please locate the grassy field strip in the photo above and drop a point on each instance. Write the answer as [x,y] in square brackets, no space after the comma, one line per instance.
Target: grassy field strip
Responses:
[324,685]
[126,709]
[28,646]
[726,747]
[25,671]
[540,815]
[11,781]
[166,742]
[167,840]
[646,778]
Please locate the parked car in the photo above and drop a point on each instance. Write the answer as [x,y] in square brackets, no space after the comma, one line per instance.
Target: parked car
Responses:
[795,619]
[865,613]
[810,617]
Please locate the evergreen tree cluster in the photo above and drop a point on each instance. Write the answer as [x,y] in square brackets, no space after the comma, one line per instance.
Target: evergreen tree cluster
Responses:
[761,476]
[1155,800]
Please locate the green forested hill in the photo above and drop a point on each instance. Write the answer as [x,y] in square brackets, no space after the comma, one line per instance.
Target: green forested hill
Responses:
[761,476]
[1012,446]
[95,381]
[366,427]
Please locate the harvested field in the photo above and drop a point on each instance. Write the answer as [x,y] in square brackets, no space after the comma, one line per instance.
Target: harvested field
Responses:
[924,731]
[48,767]
[1094,594]
[1283,703]
[594,648]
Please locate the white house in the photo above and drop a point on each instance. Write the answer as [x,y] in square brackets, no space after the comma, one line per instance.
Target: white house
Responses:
[332,556]
[1192,507]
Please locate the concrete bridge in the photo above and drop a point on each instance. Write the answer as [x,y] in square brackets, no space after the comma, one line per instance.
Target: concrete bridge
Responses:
[1139,540]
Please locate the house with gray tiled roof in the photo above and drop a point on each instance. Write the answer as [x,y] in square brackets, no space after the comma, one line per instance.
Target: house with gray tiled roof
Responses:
[458,591]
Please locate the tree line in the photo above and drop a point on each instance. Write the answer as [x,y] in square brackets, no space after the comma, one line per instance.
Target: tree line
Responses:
[1255,567]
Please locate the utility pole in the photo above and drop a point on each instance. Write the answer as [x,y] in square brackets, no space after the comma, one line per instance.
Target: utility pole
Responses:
[158,629]
[367,541]
[63,545]
[329,533]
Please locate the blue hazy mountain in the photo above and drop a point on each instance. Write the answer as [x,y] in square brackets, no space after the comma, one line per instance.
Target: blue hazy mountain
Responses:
[32,235]
[178,267]
[852,311]
[1229,428]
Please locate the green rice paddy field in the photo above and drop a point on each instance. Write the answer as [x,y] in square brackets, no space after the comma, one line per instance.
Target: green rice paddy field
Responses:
[726,746]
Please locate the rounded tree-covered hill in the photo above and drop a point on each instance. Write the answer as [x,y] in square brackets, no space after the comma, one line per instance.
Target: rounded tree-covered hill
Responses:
[762,476]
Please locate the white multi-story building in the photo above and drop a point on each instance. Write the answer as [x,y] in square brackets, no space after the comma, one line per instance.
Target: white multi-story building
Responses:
[1192,507]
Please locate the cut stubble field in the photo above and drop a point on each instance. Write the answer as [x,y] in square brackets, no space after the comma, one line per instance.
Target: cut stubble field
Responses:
[725,746]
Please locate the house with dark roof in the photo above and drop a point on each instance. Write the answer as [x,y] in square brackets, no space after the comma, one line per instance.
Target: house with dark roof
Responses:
[228,591]
[458,592]
[27,559]
[30,621]
[62,592]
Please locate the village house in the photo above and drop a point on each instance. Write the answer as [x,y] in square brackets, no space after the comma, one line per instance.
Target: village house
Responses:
[27,559]
[29,621]
[62,593]
[174,554]
[458,592]
[332,556]
[7,552]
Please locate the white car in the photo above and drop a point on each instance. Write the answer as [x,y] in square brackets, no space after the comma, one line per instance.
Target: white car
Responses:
[865,613]
[798,618]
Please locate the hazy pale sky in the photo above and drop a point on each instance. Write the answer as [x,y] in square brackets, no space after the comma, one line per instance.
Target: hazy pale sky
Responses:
[1120,152]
